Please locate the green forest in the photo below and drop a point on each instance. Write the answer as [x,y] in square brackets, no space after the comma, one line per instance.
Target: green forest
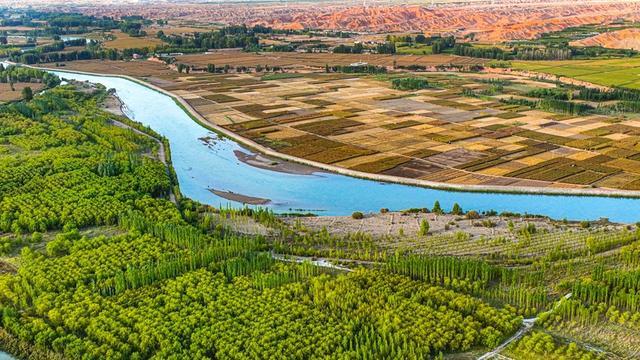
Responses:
[102,258]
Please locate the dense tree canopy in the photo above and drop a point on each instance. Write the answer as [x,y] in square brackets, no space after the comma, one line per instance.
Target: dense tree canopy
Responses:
[76,169]
[15,74]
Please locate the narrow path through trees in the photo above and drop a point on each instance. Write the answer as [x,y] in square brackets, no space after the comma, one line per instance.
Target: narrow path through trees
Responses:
[161,151]
[527,324]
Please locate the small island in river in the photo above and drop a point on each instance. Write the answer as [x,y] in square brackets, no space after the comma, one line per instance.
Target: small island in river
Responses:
[244,199]
[263,162]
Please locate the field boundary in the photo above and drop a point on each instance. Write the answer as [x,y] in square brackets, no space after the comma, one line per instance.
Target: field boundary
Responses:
[547,76]
[506,189]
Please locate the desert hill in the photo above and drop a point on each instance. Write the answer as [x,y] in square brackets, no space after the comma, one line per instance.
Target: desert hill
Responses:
[621,39]
[489,23]
[492,21]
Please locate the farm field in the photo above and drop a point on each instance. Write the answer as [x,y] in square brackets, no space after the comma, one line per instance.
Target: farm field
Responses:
[6,94]
[443,133]
[608,72]
[15,28]
[438,134]
[178,29]
[496,238]
[139,69]
[126,41]
[237,58]
[415,49]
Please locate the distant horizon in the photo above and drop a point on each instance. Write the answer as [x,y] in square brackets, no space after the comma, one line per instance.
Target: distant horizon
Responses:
[490,21]
[25,3]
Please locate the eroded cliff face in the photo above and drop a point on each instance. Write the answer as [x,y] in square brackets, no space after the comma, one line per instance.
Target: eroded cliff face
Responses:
[621,39]
[496,20]
[490,23]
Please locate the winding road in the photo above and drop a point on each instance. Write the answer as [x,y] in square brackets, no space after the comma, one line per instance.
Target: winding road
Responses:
[318,262]
[527,324]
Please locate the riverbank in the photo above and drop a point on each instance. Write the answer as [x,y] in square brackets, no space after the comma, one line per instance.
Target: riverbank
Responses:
[506,189]
[408,224]
[114,105]
[19,349]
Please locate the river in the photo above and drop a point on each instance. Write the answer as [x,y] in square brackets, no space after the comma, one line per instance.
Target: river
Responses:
[5,356]
[203,166]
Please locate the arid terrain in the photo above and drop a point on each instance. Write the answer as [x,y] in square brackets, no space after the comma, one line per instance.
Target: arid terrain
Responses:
[622,39]
[488,21]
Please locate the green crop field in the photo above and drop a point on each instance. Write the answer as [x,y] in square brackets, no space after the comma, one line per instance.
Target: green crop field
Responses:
[415,49]
[608,72]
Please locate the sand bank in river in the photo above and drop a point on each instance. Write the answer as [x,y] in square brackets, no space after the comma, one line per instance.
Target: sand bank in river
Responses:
[245,199]
[264,162]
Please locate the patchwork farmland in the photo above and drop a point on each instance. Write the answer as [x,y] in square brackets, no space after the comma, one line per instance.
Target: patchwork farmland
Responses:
[125,41]
[443,133]
[319,60]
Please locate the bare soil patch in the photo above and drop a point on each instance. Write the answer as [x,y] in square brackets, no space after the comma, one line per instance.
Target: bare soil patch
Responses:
[6,94]
[238,58]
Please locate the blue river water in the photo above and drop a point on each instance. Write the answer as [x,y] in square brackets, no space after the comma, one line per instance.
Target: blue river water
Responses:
[5,356]
[202,166]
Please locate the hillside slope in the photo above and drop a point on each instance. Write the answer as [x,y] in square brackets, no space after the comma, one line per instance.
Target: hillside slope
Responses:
[621,39]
